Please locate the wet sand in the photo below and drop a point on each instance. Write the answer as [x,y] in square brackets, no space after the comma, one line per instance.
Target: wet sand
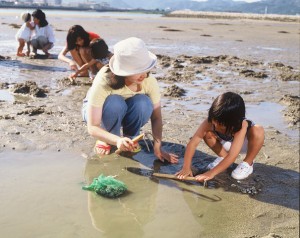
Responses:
[198,59]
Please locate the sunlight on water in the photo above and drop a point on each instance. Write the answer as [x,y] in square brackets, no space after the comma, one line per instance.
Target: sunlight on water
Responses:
[6,96]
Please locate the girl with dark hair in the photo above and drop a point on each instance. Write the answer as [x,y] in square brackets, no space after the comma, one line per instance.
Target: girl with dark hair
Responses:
[78,41]
[100,57]
[43,37]
[227,132]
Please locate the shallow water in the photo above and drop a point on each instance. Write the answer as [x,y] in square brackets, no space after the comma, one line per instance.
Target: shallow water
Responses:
[6,96]
[41,194]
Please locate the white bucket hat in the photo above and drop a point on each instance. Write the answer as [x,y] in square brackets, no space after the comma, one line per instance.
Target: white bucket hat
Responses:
[131,57]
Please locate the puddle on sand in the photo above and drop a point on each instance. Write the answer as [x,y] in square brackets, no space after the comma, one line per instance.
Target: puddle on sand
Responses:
[267,114]
[269,48]
[6,96]
[41,194]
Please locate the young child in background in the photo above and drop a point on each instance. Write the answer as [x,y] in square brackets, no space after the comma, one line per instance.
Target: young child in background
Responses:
[100,57]
[227,132]
[24,34]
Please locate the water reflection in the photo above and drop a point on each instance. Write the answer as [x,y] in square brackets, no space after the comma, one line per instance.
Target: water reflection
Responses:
[151,207]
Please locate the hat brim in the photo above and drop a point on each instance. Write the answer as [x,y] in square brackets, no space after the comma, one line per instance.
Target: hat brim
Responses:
[123,72]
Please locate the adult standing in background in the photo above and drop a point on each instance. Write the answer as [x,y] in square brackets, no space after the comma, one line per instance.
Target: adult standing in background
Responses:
[43,36]
[78,44]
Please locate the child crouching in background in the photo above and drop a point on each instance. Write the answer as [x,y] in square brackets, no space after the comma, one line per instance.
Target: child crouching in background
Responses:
[100,57]
[227,132]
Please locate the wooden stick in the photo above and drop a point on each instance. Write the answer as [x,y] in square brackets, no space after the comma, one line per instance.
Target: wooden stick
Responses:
[139,137]
[172,176]
[135,139]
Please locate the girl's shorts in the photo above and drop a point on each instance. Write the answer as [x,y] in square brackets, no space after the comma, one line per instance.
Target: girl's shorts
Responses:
[227,144]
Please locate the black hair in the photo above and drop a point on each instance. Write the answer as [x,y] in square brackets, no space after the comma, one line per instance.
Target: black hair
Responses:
[99,49]
[75,32]
[115,81]
[39,14]
[228,109]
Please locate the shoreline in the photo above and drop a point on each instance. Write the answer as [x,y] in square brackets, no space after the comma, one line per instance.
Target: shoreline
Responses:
[232,15]
[66,8]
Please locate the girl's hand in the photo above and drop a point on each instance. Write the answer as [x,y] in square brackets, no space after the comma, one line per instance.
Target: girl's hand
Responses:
[125,144]
[204,177]
[72,77]
[73,66]
[184,173]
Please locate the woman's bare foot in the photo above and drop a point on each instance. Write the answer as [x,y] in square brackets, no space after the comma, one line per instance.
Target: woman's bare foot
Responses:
[101,148]
[20,54]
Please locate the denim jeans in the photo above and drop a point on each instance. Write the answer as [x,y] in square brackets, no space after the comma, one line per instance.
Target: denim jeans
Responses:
[131,114]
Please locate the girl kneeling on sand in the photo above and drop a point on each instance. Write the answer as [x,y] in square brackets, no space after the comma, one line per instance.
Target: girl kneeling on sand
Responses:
[124,95]
[78,44]
[227,132]
[100,57]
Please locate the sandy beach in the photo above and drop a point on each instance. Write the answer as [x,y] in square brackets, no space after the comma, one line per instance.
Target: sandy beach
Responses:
[46,154]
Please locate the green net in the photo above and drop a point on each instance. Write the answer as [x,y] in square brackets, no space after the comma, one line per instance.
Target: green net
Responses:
[107,186]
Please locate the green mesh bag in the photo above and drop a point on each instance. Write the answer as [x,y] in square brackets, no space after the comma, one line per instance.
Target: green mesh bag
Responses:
[106,186]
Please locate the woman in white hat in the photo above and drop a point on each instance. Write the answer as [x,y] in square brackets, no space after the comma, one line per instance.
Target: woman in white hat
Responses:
[124,95]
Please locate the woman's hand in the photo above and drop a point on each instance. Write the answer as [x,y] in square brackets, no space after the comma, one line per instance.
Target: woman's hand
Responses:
[125,144]
[183,173]
[162,155]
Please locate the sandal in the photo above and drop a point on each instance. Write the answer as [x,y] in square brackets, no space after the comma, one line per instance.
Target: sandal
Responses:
[101,148]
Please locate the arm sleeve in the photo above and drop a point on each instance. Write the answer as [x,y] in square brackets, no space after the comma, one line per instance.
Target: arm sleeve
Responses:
[50,34]
[152,90]
[99,90]
[93,35]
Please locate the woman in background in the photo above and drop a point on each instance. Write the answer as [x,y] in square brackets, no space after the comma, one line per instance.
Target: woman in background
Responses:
[43,36]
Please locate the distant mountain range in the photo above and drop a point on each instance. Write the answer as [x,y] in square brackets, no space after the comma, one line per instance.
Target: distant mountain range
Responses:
[289,7]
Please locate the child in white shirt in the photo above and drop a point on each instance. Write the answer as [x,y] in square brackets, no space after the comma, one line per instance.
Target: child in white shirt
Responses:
[24,34]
